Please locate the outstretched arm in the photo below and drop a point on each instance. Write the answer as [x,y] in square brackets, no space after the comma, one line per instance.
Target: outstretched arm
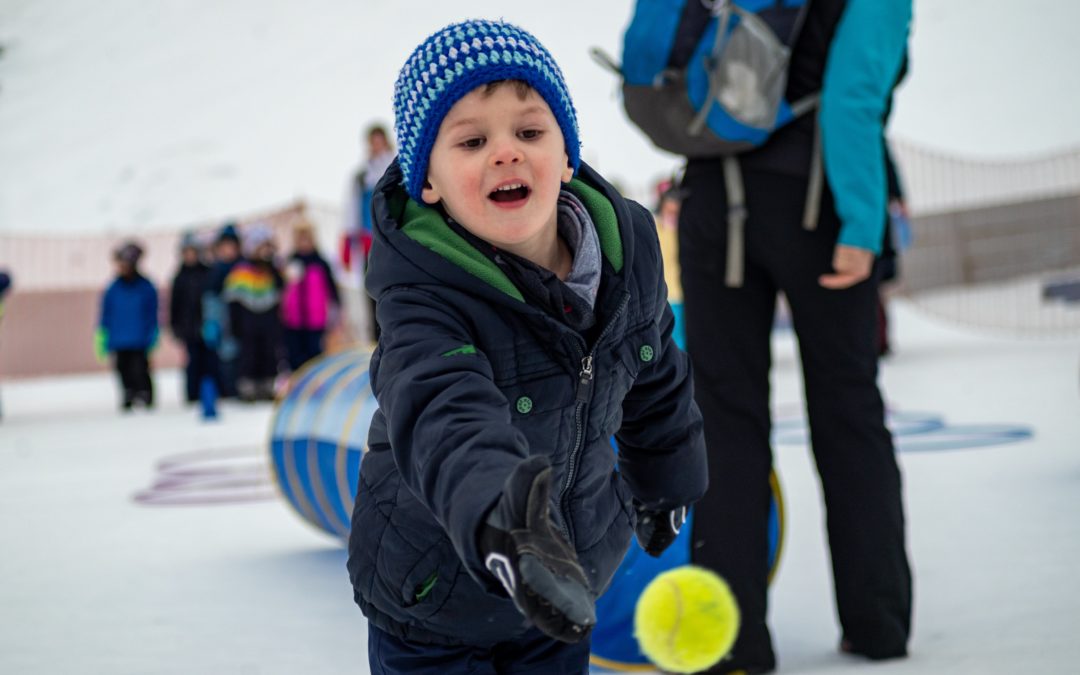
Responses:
[457,451]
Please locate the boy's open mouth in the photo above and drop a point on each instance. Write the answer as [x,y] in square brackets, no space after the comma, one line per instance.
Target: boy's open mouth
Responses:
[511,192]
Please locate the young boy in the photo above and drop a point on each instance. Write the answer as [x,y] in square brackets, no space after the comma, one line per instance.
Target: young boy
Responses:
[216,331]
[523,322]
[185,314]
[128,326]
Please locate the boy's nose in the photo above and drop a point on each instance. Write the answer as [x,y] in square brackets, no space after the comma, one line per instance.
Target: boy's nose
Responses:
[506,152]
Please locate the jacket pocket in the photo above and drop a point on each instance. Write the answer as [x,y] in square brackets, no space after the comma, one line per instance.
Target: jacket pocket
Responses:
[416,564]
[538,407]
[634,354]
[427,585]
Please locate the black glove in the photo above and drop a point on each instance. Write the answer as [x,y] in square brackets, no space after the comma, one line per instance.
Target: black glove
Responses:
[655,530]
[532,560]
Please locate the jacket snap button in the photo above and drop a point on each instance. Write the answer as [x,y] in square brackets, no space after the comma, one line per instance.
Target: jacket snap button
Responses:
[646,353]
[524,405]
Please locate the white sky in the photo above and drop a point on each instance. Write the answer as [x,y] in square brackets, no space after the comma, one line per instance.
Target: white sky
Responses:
[122,116]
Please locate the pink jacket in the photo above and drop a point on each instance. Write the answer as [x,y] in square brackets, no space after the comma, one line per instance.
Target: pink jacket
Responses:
[309,294]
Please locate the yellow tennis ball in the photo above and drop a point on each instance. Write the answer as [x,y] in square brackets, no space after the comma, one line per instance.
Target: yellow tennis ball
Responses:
[686,620]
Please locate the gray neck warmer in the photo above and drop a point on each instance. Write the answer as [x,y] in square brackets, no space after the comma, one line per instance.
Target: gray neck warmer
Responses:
[577,230]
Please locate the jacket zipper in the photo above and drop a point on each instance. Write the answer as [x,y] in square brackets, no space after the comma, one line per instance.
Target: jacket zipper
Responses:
[581,405]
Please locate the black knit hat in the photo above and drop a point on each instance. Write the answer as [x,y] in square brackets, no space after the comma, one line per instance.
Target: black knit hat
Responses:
[129,252]
[228,233]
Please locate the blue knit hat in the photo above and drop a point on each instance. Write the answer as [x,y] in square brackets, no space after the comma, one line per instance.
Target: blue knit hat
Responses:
[454,61]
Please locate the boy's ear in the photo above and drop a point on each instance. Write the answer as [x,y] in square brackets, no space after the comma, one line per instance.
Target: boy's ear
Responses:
[568,172]
[429,194]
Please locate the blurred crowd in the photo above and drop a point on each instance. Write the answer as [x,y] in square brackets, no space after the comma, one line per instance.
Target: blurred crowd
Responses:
[246,315]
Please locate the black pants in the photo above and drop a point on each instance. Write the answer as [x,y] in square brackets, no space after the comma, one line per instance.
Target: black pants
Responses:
[133,367]
[259,336]
[226,375]
[728,339]
[258,356]
[200,363]
[534,654]
[302,345]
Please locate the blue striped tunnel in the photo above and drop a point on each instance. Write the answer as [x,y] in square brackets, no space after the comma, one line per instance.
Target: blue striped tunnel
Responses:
[318,435]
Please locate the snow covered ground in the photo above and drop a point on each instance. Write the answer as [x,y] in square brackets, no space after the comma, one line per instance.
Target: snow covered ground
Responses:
[104,571]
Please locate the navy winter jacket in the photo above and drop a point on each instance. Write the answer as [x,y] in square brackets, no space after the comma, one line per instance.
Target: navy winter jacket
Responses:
[471,379]
[185,302]
[129,312]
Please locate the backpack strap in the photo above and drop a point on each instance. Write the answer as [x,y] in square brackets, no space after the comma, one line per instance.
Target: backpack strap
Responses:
[606,61]
[736,220]
[697,125]
[815,184]
[736,197]
[805,104]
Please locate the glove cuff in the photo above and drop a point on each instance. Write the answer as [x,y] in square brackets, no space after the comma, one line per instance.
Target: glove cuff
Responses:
[497,552]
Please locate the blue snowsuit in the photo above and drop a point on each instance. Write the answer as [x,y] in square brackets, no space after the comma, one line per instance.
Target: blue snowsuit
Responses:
[129,321]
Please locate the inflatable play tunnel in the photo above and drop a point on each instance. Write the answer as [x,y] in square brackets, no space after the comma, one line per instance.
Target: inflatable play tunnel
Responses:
[318,434]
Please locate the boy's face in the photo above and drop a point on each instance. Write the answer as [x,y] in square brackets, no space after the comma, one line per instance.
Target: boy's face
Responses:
[303,242]
[226,250]
[497,166]
[265,251]
[377,143]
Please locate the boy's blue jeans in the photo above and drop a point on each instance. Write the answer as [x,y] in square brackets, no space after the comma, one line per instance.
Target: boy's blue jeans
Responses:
[533,654]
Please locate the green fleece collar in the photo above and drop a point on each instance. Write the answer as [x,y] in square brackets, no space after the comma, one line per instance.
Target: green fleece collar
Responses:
[602,212]
[426,226]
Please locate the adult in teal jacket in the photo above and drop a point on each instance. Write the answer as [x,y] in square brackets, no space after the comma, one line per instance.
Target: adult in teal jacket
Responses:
[851,53]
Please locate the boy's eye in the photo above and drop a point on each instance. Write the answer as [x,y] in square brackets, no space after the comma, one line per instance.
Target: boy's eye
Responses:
[472,143]
[530,134]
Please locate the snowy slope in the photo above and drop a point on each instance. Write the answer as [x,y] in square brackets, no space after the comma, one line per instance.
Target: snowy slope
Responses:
[119,116]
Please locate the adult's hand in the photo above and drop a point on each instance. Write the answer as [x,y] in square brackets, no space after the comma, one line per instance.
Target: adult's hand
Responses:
[850,266]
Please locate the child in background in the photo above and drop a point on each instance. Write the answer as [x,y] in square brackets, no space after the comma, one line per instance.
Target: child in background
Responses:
[185,314]
[5,286]
[358,227]
[252,291]
[668,201]
[128,327]
[216,331]
[310,302]
[523,322]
